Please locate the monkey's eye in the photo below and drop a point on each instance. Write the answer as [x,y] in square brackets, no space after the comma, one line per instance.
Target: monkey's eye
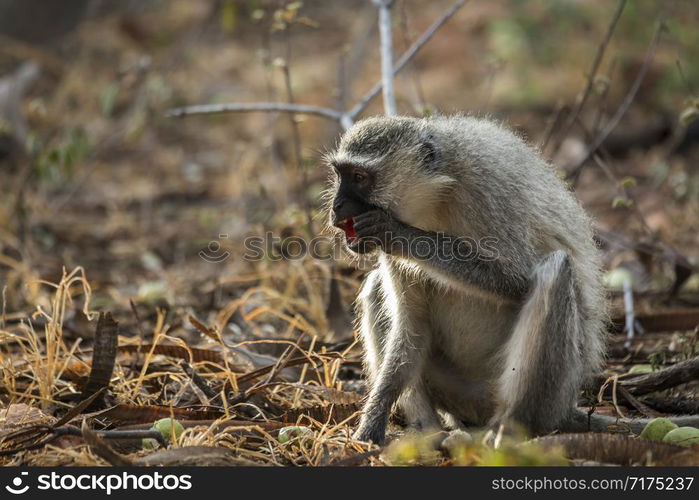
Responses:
[359,177]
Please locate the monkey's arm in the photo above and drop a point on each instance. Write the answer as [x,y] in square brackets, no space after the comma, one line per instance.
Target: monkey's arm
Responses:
[405,349]
[453,258]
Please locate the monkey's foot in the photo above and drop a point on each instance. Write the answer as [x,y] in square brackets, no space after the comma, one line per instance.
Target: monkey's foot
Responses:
[376,433]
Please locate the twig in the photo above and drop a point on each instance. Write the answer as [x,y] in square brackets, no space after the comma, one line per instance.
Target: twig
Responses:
[342,81]
[290,98]
[247,107]
[102,449]
[673,405]
[357,459]
[274,370]
[295,134]
[615,402]
[602,102]
[629,314]
[621,189]
[645,410]
[291,362]
[279,364]
[271,94]
[407,36]
[386,36]
[679,373]
[552,125]
[572,117]
[78,409]
[621,111]
[197,380]
[624,192]
[138,319]
[116,434]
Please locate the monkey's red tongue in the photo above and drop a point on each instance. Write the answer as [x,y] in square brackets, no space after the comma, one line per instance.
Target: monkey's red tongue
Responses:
[349,230]
[347,226]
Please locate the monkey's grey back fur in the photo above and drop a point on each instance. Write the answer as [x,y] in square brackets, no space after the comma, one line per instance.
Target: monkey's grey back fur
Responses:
[509,336]
[511,193]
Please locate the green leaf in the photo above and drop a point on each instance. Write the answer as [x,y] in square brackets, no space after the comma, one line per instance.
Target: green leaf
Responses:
[689,115]
[108,98]
[621,201]
[229,16]
[627,182]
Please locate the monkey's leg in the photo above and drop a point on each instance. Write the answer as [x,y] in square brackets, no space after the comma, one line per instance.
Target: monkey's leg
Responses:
[373,323]
[543,368]
[418,408]
[404,352]
[451,422]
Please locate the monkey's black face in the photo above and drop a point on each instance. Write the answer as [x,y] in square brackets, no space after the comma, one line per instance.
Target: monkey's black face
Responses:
[351,198]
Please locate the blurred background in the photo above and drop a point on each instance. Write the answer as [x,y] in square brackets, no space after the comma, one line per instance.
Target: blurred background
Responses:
[96,177]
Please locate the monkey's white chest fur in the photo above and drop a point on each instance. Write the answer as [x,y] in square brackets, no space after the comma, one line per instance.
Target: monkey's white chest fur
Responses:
[468,335]
[469,329]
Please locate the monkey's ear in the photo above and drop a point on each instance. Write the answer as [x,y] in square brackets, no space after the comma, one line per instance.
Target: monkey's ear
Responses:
[430,153]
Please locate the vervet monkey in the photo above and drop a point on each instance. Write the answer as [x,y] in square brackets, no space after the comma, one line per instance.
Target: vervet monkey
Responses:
[487,305]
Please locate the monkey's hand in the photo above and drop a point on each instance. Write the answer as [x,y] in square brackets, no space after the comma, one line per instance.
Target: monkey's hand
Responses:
[379,229]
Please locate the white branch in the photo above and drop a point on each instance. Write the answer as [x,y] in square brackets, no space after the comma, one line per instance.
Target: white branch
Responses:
[346,121]
[247,107]
[386,35]
[406,57]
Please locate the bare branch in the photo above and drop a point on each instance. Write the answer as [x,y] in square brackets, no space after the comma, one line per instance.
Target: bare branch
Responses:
[572,117]
[345,119]
[679,373]
[406,57]
[386,35]
[621,111]
[248,107]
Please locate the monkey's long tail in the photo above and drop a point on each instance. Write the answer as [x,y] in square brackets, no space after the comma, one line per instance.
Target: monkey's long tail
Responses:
[580,421]
[543,362]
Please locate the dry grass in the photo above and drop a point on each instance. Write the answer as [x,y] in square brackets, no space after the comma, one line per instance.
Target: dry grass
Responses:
[41,370]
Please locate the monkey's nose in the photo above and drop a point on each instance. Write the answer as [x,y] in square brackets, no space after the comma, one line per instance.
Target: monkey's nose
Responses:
[337,206]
